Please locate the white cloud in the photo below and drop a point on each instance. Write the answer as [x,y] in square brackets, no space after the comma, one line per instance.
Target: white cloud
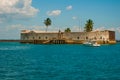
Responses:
[11,31]
[43,28]
[15,27]
[74,18]
[16,9]
[69,7]
[118,29]
[117,32]
[100,29]
[75,29]
[19,27]
[54,13]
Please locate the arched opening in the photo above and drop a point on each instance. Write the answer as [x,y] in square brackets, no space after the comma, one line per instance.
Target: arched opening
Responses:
[39,37]
[46,37]
[78,38]
[86,37]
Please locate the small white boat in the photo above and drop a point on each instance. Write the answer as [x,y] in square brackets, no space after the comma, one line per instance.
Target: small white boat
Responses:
[91,44]
[87,43]
[96,44]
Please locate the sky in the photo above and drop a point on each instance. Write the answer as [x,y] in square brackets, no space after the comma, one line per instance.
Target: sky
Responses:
[17,15]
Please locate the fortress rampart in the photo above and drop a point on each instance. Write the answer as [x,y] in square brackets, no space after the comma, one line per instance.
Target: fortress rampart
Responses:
[38,37]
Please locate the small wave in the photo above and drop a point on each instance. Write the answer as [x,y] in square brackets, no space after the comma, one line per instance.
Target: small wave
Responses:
[15,48]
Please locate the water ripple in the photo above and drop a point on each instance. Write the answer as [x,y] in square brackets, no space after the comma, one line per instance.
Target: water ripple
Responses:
[59,62]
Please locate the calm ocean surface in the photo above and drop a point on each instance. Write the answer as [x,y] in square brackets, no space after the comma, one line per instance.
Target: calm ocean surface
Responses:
[59,62]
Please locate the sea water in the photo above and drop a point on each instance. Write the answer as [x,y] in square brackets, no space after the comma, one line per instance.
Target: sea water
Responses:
[59,62]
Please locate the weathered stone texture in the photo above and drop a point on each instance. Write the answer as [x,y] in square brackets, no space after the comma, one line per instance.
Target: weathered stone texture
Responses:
[102,37]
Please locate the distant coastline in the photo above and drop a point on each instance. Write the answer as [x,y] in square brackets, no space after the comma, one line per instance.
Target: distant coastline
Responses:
[10,40]
[117,40]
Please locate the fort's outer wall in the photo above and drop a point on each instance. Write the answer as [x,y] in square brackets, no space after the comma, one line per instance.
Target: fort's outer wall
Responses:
[112,39]
[38,36]
[102,37]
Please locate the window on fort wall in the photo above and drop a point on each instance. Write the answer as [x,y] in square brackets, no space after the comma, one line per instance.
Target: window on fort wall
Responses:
[39,37]
[95,38]
[86,37]
[78,37]
[46,37]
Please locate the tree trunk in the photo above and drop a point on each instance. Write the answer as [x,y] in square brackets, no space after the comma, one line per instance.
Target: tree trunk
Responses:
[46,28]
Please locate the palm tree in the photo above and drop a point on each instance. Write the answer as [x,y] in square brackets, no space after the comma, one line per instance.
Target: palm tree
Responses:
[47,22]
[89,26]
[67,30]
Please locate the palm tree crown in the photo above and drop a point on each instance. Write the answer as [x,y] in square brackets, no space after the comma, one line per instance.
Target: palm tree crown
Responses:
[89,26]
[47,22]
[67,30]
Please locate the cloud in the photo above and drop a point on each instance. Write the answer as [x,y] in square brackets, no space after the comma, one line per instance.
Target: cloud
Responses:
[14,28]
[117,29]
[69,7]
[54,13]
[11,31]
[19,27]
[100,29]
[74,18]
[16,9]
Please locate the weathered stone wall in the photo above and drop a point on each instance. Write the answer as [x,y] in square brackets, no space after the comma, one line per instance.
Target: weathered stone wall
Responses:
[38,36]
[100,36]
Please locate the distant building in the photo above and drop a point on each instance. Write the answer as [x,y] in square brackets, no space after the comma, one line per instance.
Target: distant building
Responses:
[38,37]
